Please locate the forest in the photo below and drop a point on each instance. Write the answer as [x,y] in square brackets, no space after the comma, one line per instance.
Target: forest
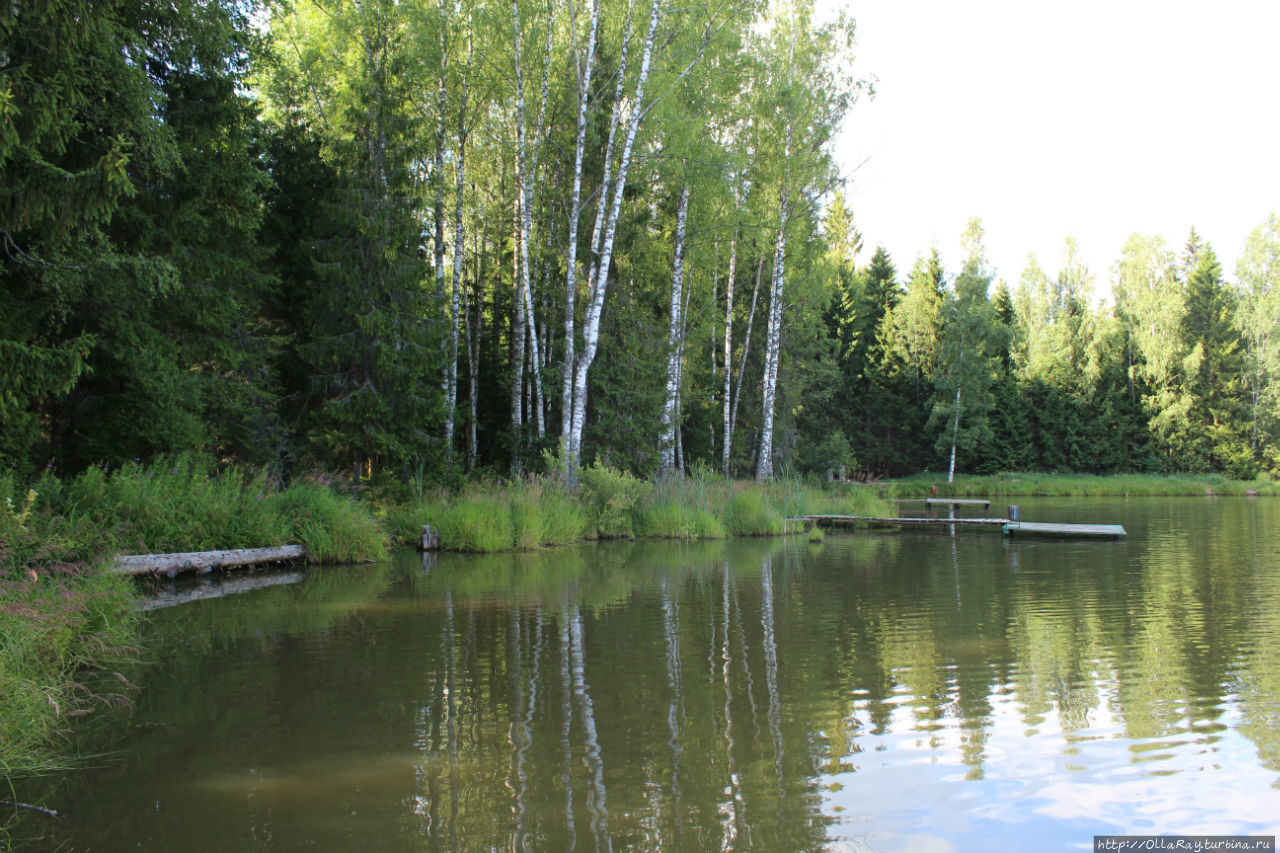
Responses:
[436,240]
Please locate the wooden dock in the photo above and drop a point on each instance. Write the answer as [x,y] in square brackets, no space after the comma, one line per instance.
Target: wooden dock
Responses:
[925,520]
[1104,531]
[1107,531]
[956,502]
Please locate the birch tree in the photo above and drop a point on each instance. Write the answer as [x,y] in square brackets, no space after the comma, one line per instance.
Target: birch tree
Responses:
[969,354]
[1258,273]
[675,342]
[609,224]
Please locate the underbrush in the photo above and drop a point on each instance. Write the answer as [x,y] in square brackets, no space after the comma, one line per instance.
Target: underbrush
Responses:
[186,503]
[62,622]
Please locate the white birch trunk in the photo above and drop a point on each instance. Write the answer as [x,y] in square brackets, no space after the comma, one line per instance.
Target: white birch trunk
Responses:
[746,346]
[528,168]
[459,234]
[591,322]
[728,355]
[517,347]
[955,433]
[522,220]
[675,345]
[575,213]
[955,426]
[773,341]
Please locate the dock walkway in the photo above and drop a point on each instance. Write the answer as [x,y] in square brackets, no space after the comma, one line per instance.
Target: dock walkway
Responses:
[956,502]
[1105,531]
[1109,531]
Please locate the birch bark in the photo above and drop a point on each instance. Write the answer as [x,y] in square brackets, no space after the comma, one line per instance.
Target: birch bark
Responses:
[459,234]
[591,322]
[728,354]
[675,344]
[575,213]
[773,341]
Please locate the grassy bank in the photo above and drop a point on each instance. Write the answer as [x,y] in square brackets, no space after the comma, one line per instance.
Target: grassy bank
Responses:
[537,512]
[1081,485]
[64,619]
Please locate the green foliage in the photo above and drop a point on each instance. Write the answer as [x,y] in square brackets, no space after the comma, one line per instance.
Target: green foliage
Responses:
[61,619]
[525,516]
[186,503]
[751,513]
[334,528]
[678,508]
[474,522]
[611,498]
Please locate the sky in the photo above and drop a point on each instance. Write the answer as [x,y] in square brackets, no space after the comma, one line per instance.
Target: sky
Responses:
[1093,118]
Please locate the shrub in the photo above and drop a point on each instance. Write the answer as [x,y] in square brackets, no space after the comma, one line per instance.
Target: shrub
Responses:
[611,498]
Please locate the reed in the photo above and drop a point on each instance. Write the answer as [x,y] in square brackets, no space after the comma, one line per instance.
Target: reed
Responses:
[752,512]
[680,508]
[62,620]
[334,528]
[525,516]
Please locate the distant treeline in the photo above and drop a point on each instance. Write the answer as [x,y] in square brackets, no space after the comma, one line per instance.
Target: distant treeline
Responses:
[420,240]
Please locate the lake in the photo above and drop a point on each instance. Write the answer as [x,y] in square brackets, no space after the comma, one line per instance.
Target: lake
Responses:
[920,690]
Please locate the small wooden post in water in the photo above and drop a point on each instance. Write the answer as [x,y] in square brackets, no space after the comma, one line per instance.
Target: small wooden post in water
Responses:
[430,539]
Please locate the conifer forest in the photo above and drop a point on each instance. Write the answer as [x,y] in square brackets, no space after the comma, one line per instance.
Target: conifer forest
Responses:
[429,240]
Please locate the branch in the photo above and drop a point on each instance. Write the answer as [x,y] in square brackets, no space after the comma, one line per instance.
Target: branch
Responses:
[40,809]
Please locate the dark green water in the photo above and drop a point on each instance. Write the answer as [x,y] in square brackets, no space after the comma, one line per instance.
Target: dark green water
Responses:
[884,691]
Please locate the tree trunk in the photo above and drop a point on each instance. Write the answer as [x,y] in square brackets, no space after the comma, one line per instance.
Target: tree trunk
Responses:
[728,355]
[518,335]
[746,346]
[591,330]
[675,345]
[575,213]
[459,236]
[773,344]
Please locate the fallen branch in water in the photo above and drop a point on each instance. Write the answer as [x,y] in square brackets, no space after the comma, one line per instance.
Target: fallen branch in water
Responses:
[41,809]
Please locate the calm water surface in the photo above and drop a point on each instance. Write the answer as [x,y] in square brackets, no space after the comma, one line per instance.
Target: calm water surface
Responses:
[879,691]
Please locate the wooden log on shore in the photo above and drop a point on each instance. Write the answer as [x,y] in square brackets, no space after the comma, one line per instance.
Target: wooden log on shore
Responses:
[204,561]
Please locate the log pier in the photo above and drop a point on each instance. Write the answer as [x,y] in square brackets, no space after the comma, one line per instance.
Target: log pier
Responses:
[203,562]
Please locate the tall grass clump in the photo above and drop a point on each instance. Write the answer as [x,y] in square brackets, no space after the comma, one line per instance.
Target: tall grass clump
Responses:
[181,503]
[333,527]
[186,503]
[524,516]
[751,511]
[61,620]
[681,508]
[477,521]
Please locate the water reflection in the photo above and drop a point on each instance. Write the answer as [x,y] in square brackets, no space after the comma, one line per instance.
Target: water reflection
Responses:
[879,691]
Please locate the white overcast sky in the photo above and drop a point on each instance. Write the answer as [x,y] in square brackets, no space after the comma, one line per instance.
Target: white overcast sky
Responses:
[1096,118]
